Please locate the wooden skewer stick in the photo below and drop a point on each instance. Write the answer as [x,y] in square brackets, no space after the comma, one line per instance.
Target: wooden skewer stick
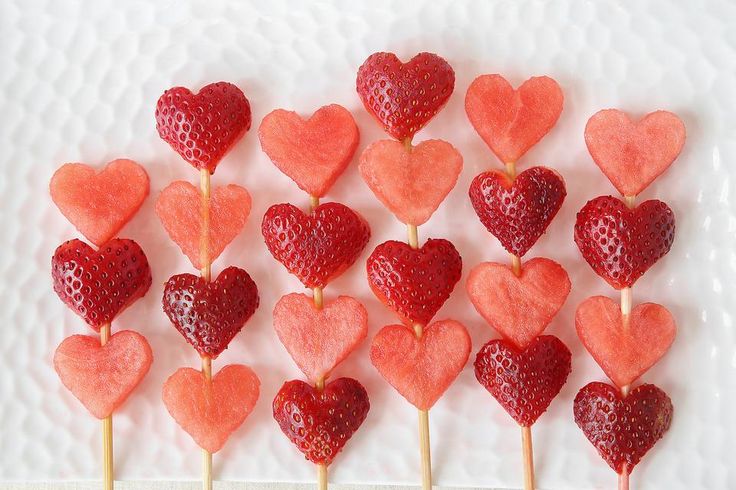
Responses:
[528,452]
[322,477]
[107,462]
[623,479]
[206,272]
[313,202]
[206,455]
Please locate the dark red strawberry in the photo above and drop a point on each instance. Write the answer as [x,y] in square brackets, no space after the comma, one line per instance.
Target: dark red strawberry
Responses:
[319,423]
[99,285]
[403,97]
[622,429]
[209,315]
[518,212]
[524,382]
[315,247]
[619,243]
[203,127]
[414,283]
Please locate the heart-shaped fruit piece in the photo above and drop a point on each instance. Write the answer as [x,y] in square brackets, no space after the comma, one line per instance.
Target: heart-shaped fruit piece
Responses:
[421,369]
[313,153]
[315,247]
[621,244]
[415,283]
[622,429]
[99,285]
[99,204]
[411,182]
[403,97]
[633,154]
[519,308]
[517,212]
[210,314]
[102,376]
[320,422]
[512,121]
[319,338]
[211,410]
[179,207]
[524,381]
[203,127]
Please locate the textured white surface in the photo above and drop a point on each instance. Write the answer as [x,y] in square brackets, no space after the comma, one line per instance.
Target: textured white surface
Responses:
[79,81]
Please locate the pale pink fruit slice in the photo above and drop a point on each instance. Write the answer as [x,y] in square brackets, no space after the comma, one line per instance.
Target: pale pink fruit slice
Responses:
[633,154]
[210,411]
[179,207]
[102,377]
[99,204]
[624,351]
[313,153]
[519,308]
[421,369]
[411,183]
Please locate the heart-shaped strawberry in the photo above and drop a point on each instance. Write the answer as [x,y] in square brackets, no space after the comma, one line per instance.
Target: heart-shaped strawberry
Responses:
[415,283]
[622,429]
[624,348]
[512,121]
[99,285]
[524,381]
[99,204]
[211,410]
[179,207]
[102,376]
[203,127]
[319,338]
[633,154]
[315,247]
[403,97]
[320,422]
[313,153]
[519,308]
[517,212]
[621,244]
[210,314]
[411,182]
[421,369]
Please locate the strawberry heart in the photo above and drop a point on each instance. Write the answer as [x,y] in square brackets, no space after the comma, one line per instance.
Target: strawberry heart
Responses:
[209,314]
[411,183]
[633,154]
[624,350]
[99,204]
[512,121]
[313,153]
[519,308]
[421,369]
[319,338]
[99,285]
[403,97]
[211,410]
[517,212]
[415,283]
[317,247]
[179,207]
[524,382]
[203,127]
[102,376]
[622,429]
[621,244]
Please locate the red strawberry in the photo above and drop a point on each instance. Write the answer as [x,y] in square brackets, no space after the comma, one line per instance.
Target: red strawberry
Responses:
[619,243]
[317,247]
[319,423]
[622,429]
[209,314]
[517,212]
[414,283]
[203,127]
[524,382]
[403,97]
[99,285]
